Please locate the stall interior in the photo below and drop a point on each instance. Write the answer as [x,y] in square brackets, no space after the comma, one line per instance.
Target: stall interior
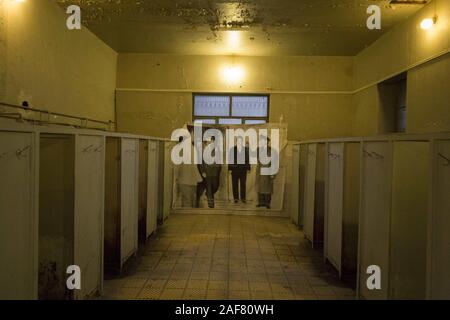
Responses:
[112,218]
[143,191]
[56,215]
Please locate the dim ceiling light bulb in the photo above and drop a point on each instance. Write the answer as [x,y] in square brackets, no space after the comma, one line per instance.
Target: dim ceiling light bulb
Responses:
[428,23]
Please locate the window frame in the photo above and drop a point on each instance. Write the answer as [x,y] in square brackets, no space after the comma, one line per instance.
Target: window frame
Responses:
[230,107]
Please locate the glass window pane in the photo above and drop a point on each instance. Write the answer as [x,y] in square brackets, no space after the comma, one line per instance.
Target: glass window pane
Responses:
[217,106]
[230,121]
[250,106]
[255,121]
[205,121]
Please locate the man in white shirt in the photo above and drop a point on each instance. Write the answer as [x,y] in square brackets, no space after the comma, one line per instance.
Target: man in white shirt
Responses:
[187,177]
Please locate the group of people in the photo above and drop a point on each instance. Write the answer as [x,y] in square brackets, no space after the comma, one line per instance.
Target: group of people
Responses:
[193,181]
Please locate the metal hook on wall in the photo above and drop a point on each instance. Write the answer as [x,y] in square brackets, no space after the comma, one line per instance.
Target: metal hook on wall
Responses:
[367,153]
[445,158]
[20,152]
[333,156]
[377,155]
[87,149]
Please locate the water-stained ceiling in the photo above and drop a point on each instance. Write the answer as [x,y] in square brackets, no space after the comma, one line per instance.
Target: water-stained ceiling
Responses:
[241,27]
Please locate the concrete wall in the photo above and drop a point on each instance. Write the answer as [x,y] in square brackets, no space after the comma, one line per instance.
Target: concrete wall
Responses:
[311,94]
[408,48]
[318,97]
[41,61]
[73,72]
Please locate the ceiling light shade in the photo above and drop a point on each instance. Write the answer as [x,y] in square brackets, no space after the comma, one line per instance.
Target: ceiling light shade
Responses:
[428,23]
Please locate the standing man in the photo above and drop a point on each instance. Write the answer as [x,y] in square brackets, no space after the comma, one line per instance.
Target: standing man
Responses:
[239,165]
[264,183]
[187,177]
[211,181]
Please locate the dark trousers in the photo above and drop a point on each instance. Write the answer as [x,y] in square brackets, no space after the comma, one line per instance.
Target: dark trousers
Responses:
[239,182]
[264,200]
[211,185]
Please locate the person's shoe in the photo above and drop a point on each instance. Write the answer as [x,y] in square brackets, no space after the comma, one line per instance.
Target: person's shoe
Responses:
[236,201]
[259,206]
[244,201]
[268,207]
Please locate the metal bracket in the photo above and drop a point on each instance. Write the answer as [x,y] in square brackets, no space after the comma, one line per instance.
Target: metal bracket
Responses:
[87,149]
[333,156]
[445,158]
[20,152]
[367,153]
[377,155]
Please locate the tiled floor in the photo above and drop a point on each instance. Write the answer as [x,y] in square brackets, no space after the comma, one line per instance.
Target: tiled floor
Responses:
[228,257]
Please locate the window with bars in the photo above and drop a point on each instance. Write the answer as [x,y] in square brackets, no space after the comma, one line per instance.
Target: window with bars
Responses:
[228,109]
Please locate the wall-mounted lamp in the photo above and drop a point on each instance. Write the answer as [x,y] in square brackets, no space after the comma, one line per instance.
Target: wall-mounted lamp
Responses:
[428,23]
[233,73]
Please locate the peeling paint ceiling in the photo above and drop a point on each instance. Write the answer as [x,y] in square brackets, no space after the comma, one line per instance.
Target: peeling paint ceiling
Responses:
[241,27]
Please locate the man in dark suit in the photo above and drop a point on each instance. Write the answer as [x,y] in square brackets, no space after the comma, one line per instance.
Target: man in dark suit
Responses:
[239,165]
[211,181]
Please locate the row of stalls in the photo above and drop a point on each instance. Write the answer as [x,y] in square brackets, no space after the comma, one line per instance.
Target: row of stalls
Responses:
[74,197]
[379,204]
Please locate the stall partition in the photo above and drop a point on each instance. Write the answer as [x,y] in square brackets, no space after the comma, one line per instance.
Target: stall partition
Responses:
[313,226]
[294,179]
[70,214]
[334,204]
[18,215]
[56,214]
[70,202]
[350,218]
[89,210]
[411,178]
[152,187]
[161,180]
[112,222]
[121,202]
[439,224]
[143,189]
[302,183]
[396,178]
[341,210]
[168,180]
[148,188]
[374,221]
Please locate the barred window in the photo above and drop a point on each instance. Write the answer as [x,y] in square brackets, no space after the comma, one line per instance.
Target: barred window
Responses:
[229,109]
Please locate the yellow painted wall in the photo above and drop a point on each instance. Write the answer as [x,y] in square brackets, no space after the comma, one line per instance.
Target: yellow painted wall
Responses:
[73,72]
[318,97]
[152,113]
[41,61]
[311,94]
[429,97]
[406,48]
[366,112]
